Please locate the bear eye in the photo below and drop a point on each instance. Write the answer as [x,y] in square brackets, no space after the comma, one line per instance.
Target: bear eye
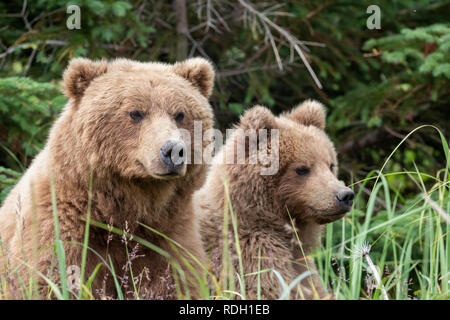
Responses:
[179,116]
[137,115]
[332,167]
[302,171]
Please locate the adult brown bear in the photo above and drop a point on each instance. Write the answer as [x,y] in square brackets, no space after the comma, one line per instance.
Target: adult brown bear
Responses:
[122,122]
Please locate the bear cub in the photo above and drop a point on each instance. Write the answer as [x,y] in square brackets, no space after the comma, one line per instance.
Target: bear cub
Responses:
[279,216]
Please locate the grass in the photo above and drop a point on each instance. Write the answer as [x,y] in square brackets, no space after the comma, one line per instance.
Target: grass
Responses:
[391,245]
[409,241]
[409,247]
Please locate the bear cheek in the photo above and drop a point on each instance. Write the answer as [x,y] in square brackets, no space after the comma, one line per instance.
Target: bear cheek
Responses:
[297,204]
[314,205]
[329,211]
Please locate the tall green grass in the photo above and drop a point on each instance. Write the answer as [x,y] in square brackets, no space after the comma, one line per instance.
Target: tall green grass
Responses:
[409,240]
[391,245]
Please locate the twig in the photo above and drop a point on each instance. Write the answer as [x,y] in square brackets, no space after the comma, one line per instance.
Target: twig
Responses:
[436,207]
[201,25]
[377,199]
[46,14]
[25,16]
[197,45]
[393,132]
[234,72]
[361,142]
[255,56]
[294,42]
[30,60]
[317,10]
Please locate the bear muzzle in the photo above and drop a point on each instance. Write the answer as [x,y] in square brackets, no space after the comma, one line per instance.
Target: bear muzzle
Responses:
[344,201]
[344,198]
[173,155]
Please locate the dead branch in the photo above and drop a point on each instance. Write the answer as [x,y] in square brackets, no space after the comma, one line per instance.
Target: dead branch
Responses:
[294,43]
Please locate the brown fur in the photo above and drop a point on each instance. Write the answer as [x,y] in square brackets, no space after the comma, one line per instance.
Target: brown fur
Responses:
[95,131]
[262,202]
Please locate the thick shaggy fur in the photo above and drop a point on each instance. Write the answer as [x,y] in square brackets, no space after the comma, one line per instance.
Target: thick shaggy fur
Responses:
[95,133]
[262,203]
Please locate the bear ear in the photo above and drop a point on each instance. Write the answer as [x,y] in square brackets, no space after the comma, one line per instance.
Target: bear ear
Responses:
[309,113]
[79,75]
[258,117]
[197,71]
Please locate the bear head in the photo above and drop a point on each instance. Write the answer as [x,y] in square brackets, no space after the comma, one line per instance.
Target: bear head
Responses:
[306,183]
[135,119]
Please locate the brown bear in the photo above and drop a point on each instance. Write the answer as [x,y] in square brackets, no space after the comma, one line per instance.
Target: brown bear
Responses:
[116,136]
[278,216]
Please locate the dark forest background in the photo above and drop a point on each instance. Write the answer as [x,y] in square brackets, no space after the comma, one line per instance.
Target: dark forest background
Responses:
[378,85]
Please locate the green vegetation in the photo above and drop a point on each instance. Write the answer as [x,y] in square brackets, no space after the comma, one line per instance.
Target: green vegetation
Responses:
[379,86]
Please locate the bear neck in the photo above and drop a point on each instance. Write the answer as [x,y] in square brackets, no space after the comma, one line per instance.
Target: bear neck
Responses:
[298,229]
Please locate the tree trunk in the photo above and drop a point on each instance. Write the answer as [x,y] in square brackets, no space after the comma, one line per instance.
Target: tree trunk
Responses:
[182,29]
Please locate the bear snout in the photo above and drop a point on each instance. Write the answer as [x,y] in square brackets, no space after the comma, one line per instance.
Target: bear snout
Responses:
[345,197]
[173,154]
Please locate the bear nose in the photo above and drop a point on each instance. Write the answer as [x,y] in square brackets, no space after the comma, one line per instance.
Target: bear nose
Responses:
[173,154]
[345,197]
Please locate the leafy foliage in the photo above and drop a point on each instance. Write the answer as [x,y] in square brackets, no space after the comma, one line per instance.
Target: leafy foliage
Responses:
[27,109]
[413,91]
